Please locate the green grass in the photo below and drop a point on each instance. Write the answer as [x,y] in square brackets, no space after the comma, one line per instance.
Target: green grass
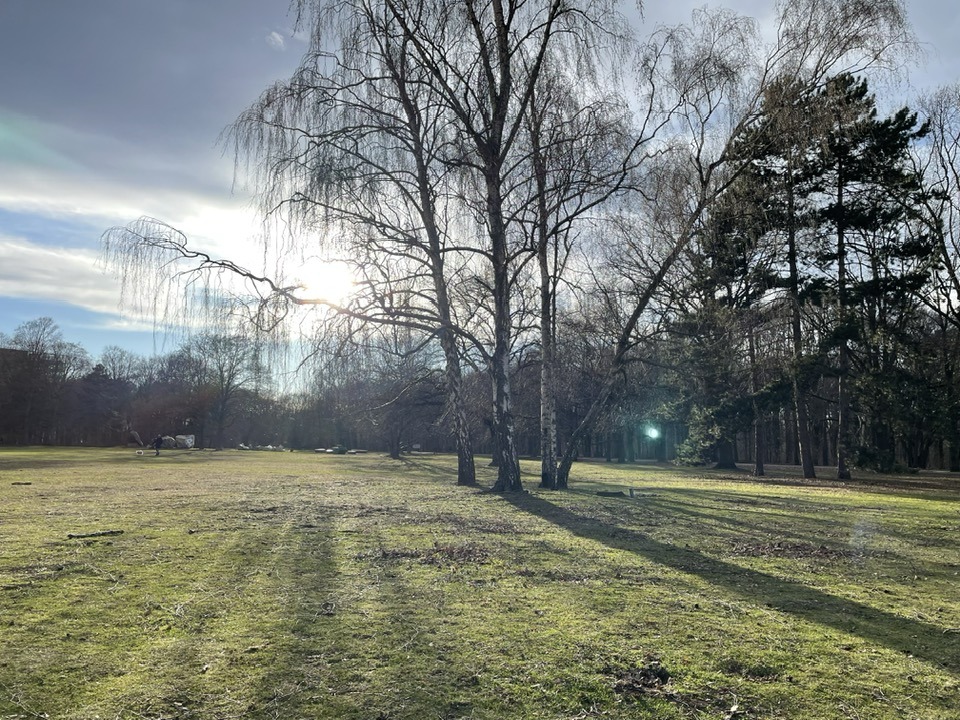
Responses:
[293,585]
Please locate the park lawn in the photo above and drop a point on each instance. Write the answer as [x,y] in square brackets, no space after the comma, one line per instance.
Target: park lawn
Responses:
[295,585]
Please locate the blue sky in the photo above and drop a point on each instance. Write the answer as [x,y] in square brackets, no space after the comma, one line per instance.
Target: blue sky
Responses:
[111,109]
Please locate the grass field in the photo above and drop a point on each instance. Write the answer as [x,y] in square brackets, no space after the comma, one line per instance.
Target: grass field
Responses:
[292,585]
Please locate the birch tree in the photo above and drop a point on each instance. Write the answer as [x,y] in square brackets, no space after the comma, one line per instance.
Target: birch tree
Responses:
[584,154]
[473,69]
[354,149]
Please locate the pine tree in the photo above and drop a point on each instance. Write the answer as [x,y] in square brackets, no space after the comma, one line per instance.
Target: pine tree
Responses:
[865,191]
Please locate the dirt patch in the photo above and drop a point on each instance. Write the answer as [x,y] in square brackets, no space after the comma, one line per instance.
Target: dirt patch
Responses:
[650,679]
[792,550]
[749,670]
[556,575]
[653,680]
[439,555]
[490,526]
[442,554]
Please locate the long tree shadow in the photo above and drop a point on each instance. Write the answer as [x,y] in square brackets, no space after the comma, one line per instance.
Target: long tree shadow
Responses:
[945,484]
[921,639]
[760,520]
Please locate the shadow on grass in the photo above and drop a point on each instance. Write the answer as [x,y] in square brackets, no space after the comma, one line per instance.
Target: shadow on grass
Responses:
[364,644]
[486,474]
[920,639]
[703,506]
[421,465]
[924,480]
[40,458]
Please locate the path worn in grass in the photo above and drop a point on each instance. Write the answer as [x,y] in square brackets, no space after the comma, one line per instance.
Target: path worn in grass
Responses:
[288,585]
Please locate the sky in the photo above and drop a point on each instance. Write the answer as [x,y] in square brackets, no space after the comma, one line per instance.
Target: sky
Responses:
[112,109]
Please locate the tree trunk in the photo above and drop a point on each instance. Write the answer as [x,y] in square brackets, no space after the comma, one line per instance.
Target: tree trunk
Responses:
[953,463]
[220,421]
[843,400]
[804,444]
[619,358]
[759,440]
[726,459]
[953,410]
[598,404]
[394,441]
[548,412]
[508,469]
[548,422]
[548,436]
[804,441]
[466,467]
[505,451]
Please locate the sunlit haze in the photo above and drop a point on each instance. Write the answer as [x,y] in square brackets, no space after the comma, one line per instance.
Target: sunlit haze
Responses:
[325,280]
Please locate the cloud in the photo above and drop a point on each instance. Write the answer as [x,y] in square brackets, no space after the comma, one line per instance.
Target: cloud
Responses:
[50,250]
[276,41]
[20,144]
[37,272]
[75,277]
[53,213]
[77,207]
[111,182]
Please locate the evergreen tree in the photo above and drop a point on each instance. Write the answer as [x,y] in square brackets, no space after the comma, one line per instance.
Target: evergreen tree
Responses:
[717,318]
[865,191]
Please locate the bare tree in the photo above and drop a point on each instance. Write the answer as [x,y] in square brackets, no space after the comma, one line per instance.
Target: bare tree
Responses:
[229,363]
[583,152]
[940,166]
[35,375]
[355,148]
[397,141]
[121,365]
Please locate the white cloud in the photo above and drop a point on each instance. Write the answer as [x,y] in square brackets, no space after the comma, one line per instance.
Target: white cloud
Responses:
[114,184]
[29,271]
[276,41]
[50,167]
[59,260]
[36,272]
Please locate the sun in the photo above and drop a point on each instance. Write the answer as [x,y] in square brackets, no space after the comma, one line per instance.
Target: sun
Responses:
[329,281]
